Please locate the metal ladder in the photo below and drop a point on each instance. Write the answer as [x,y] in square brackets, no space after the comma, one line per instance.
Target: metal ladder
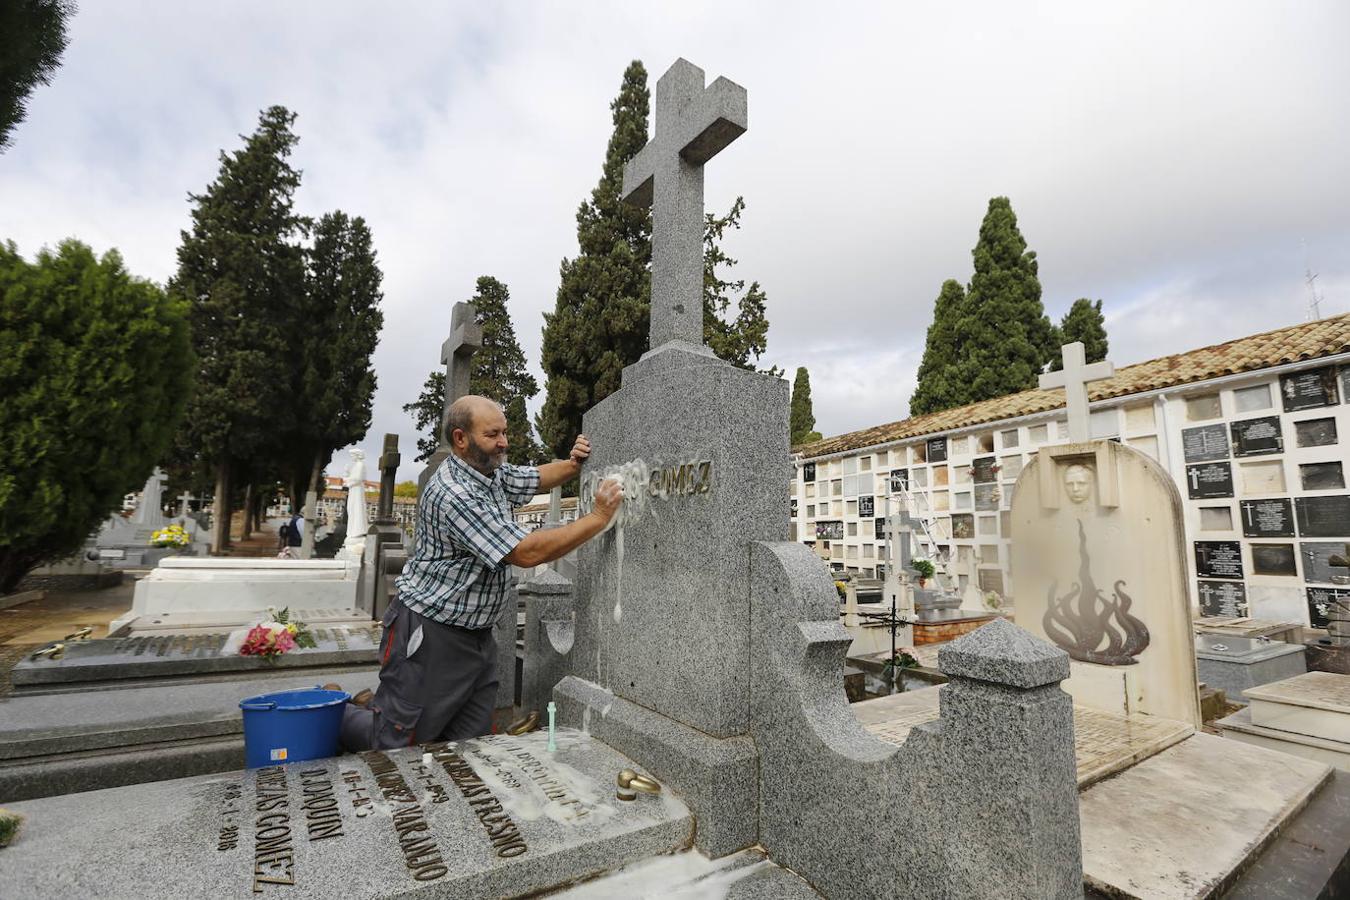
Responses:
[927,543]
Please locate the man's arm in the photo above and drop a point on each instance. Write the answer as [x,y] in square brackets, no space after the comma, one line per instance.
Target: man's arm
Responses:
[548,544]
[563,470]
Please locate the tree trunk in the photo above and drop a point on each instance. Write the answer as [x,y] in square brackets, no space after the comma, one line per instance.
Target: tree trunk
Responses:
[220,523]
[248,509]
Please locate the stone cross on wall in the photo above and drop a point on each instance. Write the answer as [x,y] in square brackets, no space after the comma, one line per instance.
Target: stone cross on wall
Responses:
[1074,378]
[693,124]
[389,460]
[466,338]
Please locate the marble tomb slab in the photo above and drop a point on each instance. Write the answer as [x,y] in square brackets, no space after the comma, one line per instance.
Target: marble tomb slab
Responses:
[1316,704]
[217,622]
[490,817]
[1239,727]
[1233,664]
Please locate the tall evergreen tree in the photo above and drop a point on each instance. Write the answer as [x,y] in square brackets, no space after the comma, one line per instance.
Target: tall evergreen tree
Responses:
[498,372]
[938,387]
[602,312]
[95,369]
[1083,322]
[242,269]
[334,331]
[801,417]
[1005,338]
[741,340]
[32,39]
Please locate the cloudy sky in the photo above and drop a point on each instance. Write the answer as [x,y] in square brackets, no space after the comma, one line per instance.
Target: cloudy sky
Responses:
[1185,163]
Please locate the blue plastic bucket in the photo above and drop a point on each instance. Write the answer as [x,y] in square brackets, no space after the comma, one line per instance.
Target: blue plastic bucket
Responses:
[290,726]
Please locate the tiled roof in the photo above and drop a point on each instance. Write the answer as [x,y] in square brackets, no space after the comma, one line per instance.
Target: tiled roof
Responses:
[1307,340]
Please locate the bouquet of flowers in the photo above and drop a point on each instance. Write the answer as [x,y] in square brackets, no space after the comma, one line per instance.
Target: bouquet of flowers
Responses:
[272,638]
[170,536]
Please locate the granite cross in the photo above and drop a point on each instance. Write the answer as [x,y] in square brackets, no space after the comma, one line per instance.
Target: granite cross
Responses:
[693,124]
[1074,378]
[184,499]
[466,337]
[389,460]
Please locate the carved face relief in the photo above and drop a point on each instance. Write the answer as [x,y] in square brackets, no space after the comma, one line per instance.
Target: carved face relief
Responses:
[1078,483]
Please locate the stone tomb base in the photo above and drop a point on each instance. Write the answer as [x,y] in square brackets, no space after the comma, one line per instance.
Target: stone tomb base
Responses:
[491,817]
[1307,715]
[1233,664]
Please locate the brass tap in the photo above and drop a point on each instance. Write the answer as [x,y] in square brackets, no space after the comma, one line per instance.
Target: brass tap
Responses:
[527,724]
[55,651]
[81,635]
[631,782]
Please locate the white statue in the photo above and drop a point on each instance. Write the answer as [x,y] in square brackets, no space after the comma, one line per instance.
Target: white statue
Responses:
[355,482]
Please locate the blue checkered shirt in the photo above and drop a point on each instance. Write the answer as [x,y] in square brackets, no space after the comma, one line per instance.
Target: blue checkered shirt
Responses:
[465,529]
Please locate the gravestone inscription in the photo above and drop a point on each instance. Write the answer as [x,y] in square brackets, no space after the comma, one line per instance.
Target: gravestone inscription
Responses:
[1218,559]
[1204,443]
[899,480]
[1210,480]
[808,472]
[984,470]
[1323,516]
[867,507]
[1309,389]
[1319,562]
[1273,559]
[1222,598]
[937,449]
[1315,432]
[1267,518]
[1322,601]
[1256,437]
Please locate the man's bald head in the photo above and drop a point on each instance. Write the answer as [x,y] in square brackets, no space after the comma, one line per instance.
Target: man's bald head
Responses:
[465,412]
[475,428]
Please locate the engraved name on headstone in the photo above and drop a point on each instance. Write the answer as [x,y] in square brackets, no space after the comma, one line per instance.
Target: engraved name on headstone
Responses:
[1222,598]
[1324,601]
[1323,516]
[1273,559]
[1204,443]
[1255,437]
[937,449]
[1309,389]
[867,507]
[1218,559]
[1267,518]
[1209,480]
[1317,562]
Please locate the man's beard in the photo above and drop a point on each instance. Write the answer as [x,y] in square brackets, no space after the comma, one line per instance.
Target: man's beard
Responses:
[485,462]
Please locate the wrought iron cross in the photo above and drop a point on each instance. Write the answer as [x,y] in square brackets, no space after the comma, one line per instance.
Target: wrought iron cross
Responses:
[693,124]
[1074,378]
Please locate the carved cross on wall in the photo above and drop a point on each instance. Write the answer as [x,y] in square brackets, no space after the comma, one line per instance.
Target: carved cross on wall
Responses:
[466,338]
[1074,378]
[693,124]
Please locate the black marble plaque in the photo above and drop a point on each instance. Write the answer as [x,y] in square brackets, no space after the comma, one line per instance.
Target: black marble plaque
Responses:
[1323,602]
[1345,384]
[1209,480]
[1256,437]
[880,526]
[1273,559]
[984,470]
[1315,432]
[937,449]
[1323,516]
[1318,559]
[1267,518]
[1324,476]
[1222,598]
[829,531]
[793,510]
[1309,389]
[986,497]
[867,507]
[963,526]
[808,471]
[899,480]
[1218,559]
[1204,443]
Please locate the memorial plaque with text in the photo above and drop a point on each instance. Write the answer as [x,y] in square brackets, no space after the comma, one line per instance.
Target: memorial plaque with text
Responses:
[1315,432]
[1204,443]
[1209,480]
[1222,598]
[808,471]
[1267,518]
[880,527]
[867,507]
[1256,437]
[1323,516]
[899,480]
[1218,559]
[1273,559]
[984,470]
[1324,602]
[1326,476]
[937,449]
[1306,390]
[1320,562]
[987,497]
[792,511]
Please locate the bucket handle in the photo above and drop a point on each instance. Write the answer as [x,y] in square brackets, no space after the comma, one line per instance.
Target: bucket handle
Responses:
[255,706]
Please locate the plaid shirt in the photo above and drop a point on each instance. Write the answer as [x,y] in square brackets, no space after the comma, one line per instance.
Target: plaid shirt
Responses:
[455,573]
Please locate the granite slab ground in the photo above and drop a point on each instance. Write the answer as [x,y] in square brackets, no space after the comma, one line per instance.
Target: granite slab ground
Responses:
[491,817]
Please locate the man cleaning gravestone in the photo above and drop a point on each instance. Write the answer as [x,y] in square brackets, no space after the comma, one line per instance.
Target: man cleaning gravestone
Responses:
[438,679]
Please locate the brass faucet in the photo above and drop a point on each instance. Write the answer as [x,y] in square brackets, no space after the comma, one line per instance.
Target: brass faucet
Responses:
[55,651]
[527,724]
[631,782]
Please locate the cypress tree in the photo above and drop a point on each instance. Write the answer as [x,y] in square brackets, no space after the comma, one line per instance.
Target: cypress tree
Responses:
[601,315]
[1004,336]
[1083,322]
[938,387]
[95,369]
[743,339]
[801,418]
[32,39]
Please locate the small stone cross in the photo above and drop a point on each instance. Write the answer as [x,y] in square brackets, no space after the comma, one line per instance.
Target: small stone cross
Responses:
[466,338]
[1074,378]
[693,124]
[183,500]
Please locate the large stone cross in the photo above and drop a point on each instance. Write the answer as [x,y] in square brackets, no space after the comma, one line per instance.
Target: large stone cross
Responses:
[466,338]
[693,124]
[1074,378]
[389,460]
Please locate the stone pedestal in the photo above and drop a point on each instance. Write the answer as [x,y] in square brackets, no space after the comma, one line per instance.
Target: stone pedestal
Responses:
[550,628]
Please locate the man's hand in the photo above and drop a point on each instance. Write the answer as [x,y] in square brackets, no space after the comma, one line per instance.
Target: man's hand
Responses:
[581,450]
[608,498]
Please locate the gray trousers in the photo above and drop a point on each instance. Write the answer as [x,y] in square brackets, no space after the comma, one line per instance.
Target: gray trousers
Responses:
[445,691]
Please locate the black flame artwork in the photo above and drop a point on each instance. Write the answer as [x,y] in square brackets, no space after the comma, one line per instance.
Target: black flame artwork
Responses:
[1082,627]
